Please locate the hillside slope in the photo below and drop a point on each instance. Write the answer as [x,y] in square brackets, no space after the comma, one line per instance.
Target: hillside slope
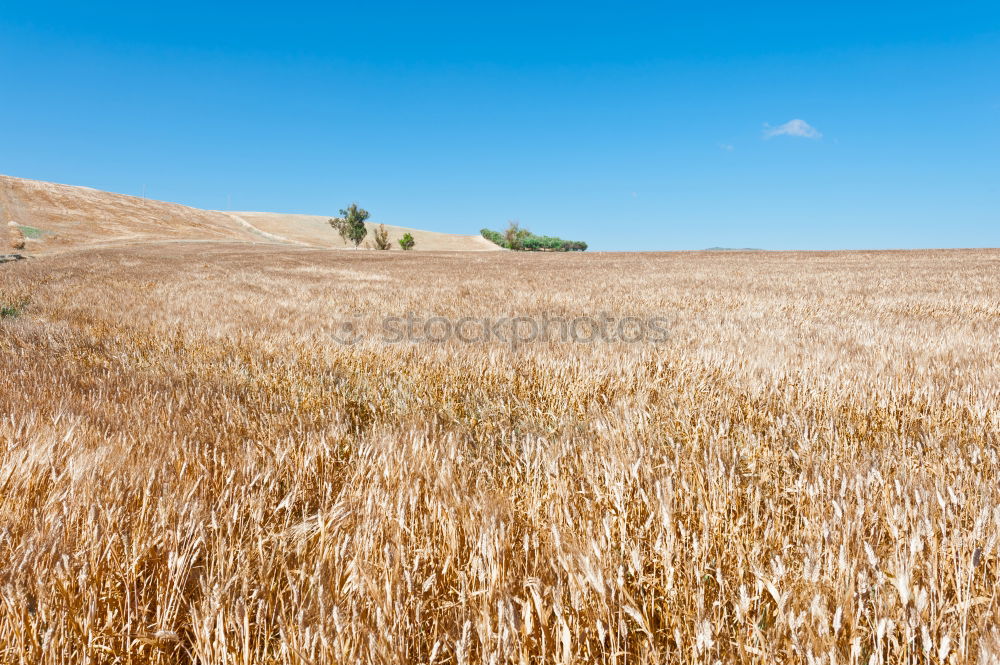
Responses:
[57,217]
[315,231]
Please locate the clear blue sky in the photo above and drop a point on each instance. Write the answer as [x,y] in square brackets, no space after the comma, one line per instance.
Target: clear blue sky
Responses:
[636,126]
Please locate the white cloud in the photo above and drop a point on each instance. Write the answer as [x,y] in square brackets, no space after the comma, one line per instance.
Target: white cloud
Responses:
[728,147]
[795,127]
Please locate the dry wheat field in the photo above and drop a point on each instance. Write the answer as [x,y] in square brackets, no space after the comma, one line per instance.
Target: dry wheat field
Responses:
[193,469]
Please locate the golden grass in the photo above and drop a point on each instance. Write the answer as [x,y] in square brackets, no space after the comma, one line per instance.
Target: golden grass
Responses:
[191,471]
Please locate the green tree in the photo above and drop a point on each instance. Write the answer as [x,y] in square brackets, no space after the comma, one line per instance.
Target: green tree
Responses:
[515,236]
[382,237]
[407,241]
[521,239]
[339,225]
[351,224]
[494,237]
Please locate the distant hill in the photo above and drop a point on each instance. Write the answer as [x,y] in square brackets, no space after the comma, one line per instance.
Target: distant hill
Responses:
[56,217]
[732,249]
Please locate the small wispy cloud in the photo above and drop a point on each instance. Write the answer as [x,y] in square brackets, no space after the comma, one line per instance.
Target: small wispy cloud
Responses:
[795,127]
[728,147]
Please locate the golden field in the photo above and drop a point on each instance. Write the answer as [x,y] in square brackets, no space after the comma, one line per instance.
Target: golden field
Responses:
[194,470]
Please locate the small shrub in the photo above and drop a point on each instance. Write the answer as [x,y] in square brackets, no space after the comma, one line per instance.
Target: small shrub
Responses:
[12,308]
[382,238]
[407,242]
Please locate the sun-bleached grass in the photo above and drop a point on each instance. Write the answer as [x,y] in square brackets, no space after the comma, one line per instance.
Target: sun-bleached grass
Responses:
[193,471]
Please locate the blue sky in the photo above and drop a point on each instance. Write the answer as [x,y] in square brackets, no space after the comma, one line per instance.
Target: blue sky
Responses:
[633,127]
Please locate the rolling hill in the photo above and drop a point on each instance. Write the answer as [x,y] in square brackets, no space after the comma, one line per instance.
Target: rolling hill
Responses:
[57,217]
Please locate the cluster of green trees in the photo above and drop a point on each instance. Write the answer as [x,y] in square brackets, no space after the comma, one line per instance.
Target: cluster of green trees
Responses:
[351,227]
[517,238]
